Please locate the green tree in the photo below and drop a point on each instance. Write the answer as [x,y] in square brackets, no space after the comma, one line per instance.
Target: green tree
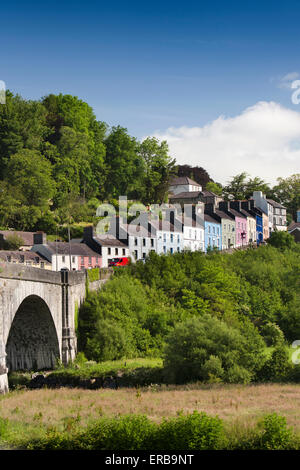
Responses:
[159,167]
[241,188]
[195,343]
[287,192]
[282,239]
[30,175]
[124,165]
[215,188]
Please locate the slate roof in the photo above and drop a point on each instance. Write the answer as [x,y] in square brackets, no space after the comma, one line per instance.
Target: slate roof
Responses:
[293,226]
[22,255]
[108,240]
[222,214]
[27,237]
[275,204]
[183,180]
[77,249]
[187,195]
[210,218]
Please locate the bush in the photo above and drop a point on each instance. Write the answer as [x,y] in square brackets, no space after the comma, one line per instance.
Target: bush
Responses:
[237,374]
[276,435]
[212,370]
[278,367]
[109,343]
[195,431]
[272,334]
[192,343]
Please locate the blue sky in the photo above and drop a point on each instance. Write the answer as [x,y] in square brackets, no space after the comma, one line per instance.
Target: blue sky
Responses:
[149,66]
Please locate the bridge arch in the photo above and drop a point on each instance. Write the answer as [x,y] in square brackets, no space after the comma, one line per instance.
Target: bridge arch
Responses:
[32,342]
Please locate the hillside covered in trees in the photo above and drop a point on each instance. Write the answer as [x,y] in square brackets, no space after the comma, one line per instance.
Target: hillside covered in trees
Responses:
[57,161]
[217,317]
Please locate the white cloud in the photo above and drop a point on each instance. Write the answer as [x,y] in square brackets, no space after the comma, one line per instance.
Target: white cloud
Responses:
[263,141]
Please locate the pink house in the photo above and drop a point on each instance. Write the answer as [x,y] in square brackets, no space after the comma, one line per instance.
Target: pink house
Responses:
[241,231]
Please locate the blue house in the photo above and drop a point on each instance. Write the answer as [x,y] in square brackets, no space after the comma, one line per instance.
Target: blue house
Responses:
[249,206]
[212,232]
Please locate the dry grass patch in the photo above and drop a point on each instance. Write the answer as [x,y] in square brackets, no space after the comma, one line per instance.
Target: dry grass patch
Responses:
[238,405]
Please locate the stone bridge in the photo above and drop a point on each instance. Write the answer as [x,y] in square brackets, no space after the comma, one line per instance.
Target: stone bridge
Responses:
[37,316]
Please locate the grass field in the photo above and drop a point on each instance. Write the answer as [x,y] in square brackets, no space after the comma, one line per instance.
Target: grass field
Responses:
[236,404]
[31,413]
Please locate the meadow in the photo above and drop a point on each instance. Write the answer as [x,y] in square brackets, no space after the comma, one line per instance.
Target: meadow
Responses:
[30,416]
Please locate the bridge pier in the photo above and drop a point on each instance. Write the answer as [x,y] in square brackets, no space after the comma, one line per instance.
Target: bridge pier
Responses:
[3,370]
[37,316]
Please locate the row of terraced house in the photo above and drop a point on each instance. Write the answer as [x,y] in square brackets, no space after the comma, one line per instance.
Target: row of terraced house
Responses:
[194,219]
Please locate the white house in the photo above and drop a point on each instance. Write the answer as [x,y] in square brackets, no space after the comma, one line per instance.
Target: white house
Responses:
[193,235]
[107,245]
[183,184]
[141,241]
[275,211]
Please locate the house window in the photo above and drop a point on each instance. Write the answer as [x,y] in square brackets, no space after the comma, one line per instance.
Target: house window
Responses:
[152,241]
[165,237]
[116,251]
[123,252]
[171,251]
[136,254]
[63,259]
[109,251]
[144,241]
[165,250]
[73,259]
[135,241]
[172,237]
[144,255]
[90,260]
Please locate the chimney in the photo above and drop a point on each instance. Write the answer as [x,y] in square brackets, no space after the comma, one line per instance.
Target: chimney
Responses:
[224,206]
[246,205]
[39,238]
[236,205]
[88,233]
[210,207]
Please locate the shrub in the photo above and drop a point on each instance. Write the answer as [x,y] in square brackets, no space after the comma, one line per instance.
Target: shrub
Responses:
[192,343]
[276,434]
[212,369]
[272,334]
[278,367]
[110,342]
[195,431]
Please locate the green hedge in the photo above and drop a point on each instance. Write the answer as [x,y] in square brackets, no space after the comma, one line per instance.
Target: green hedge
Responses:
[196,431]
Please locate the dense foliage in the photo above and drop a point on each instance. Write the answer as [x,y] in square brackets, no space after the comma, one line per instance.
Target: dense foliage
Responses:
[219,317]
[194,431]
[57,161]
